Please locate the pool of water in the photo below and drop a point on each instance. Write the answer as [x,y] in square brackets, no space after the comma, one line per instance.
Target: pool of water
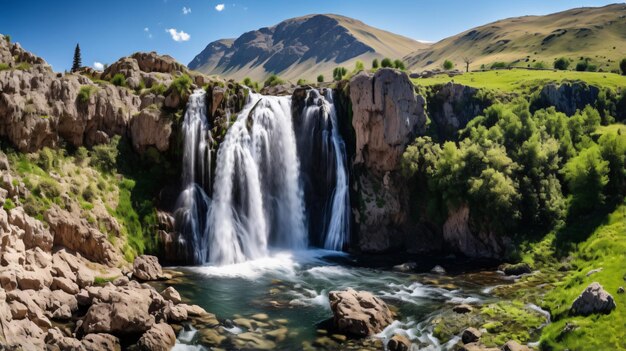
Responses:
[294,286]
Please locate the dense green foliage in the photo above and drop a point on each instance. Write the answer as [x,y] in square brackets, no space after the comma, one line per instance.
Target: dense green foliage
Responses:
[448,65]
[182,85]
[302,81]
[499,65]
[535,168]
[561,64]
[77,62]
[85,92]
[622,66]
[119,80]
[320,78]
[273,80]
[375,64]
[339,73]
[386,63]
[399,64]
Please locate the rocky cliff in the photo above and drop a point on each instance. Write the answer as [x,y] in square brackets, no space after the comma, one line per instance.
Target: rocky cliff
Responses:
[387,116]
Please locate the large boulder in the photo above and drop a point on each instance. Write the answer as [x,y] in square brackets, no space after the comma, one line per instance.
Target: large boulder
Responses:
[147,268]
[97,342]
[160,337]
[461,237]
[35,233]
[359,313]
[594,299]
[150,128]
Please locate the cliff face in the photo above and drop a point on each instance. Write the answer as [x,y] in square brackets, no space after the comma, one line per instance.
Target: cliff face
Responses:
[387,116]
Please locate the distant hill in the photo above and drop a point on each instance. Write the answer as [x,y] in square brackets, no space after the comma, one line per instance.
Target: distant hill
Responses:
[302,47]
[597,33]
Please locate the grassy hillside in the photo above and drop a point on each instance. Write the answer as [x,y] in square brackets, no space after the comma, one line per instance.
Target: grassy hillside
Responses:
[517,80]
[596,34]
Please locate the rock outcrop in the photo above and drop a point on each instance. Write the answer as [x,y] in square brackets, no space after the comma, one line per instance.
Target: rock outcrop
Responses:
[147,268]
[594,299]
[387,116]
[359,313]
[567,97]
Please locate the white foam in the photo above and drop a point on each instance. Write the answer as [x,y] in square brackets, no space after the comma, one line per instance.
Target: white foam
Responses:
[281,263]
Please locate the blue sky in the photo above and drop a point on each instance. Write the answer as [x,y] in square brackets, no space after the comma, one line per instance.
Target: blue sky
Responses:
[108,30]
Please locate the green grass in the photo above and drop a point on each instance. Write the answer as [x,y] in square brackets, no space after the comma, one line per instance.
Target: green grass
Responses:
[518,80]
[605,248]
[85,92]
[8,205]
[4,66]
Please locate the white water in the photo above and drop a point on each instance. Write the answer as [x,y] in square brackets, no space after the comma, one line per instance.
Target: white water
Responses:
[257,198]
[336,213]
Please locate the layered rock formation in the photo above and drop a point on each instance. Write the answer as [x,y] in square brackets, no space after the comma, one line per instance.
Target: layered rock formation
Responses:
[387,116]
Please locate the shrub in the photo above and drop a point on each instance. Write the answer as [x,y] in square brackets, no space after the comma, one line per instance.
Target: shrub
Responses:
[375,64]
[386,63]
[182,84]
[23,66]
[339,73]
[158,89]
[561,64]
[582,66]
[448,65]
[539,65]
[7,38]
[499,65]
[247,82]
[4,66]
[81,155]
[85,92]
[399,64]
[104,157]
[119,80]
[359,66]
[89,194]
[8,205]
[622,66]
[46,159]
[302,81]
[273,80]
[50,188]
[592,68]
[320,78]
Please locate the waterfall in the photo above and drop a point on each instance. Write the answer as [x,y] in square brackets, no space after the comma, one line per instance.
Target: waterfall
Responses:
[258,190]
[324,161]
[193,203]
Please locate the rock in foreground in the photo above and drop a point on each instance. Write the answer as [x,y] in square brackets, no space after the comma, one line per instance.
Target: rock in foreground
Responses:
[359,313]
[593,300]
[147,268]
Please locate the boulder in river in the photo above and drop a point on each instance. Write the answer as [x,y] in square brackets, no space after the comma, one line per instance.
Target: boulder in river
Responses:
[147,268]
[399,343]
[359,313]
[594,299]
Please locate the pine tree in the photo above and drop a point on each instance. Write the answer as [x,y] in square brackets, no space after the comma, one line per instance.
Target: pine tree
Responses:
[77,61]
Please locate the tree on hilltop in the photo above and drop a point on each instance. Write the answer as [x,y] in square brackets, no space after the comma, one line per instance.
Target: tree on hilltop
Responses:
[77,64]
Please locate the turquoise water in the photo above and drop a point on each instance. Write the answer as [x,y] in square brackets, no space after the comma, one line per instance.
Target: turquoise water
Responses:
[295,286]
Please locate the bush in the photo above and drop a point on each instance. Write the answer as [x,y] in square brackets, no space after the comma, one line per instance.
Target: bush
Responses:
[582,66]
[4,66]
[8,205]
[586,176]
[273,80]
[339,73]
[561,64]
[320,78]
[247,82]
[448,65]
[85,92]
[104,157]
[399,64]
[119,80]
[375,64]
[539,65]
[182,85]
[622,66]
[50,188]
[46,159]
[386,63]
[158,89]
[302,81]
[592,68]
[499,65]
[359,66]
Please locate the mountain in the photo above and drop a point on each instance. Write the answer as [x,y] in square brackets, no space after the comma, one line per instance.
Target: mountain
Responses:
[597,33]
[302,47]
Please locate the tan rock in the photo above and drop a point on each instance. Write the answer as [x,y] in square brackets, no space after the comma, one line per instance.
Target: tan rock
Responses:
[151,128]
[399,343]
[64,284]
[98,342]
[147,268]
[160,337]
[171,294]
[359,312]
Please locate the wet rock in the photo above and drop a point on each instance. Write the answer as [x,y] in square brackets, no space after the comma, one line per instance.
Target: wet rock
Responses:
[405,267]
[438,270]
[463,308]
[147,268]
[171,294]
[475,346]
[260,317]
[277,335]
[470,335]
[253,341]
[399,343]
[594,299]
[516,269]
[160,337]
[176,313]
[211,337]
[359,312]
[512,345]
[98,342]
[325,342]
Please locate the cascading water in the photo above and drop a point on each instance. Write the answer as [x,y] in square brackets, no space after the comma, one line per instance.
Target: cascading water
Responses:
[323,155]
[193,203]
[257,198]
[256,189]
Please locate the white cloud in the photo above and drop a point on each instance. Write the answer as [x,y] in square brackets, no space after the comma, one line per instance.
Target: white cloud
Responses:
[178,35]
[146,29]
[186,10]
[98,66]
[219,7]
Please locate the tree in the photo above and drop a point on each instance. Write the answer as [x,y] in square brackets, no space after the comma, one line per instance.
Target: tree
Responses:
[320,78]
[586,176]
[77,61]
[302,82]
[468,61]
[339,73]
[561,64]
[386,63]
[247,82]
[448,65]
[582,66]
[622,66]
[375,64]
[399,64]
